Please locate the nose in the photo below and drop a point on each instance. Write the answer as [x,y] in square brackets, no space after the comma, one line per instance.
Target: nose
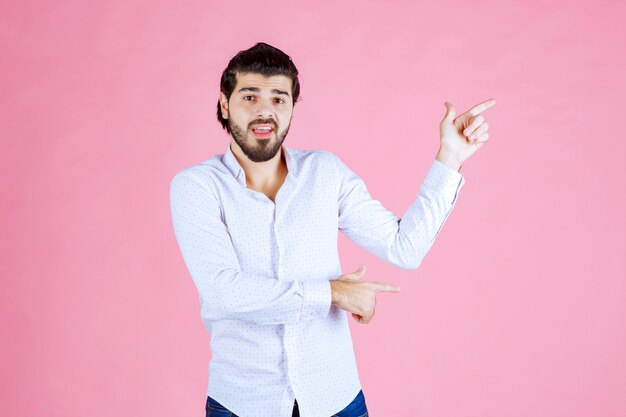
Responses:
[265,114]
[264,110]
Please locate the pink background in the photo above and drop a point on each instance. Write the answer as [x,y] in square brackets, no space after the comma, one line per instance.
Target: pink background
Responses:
[519,308]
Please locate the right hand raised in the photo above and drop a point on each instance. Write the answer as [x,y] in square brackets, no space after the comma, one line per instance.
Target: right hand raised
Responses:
[358,297]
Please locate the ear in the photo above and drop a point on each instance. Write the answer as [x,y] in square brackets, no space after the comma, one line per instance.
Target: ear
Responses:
[224,105]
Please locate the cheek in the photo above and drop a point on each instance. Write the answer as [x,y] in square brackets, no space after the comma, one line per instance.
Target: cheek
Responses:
[285,119]
[236,115]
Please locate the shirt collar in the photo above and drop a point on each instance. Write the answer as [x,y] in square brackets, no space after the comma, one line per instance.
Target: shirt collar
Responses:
[235,168]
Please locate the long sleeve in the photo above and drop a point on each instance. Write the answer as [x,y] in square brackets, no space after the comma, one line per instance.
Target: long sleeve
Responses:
[226,292]
[403,242]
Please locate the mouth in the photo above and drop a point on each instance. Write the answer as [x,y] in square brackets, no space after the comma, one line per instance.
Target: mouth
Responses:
[262,131]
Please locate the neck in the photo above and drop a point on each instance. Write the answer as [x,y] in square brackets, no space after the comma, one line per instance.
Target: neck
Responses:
[261,174]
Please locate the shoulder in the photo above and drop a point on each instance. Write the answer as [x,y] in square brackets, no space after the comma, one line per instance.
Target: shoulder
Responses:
[199,176]
[316,159]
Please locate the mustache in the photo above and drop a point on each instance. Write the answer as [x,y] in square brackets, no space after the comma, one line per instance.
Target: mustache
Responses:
[264,121]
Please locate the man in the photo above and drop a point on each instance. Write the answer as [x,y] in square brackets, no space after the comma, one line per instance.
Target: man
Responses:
[257,227]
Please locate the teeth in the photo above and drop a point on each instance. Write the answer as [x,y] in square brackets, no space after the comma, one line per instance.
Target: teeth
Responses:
[262,128]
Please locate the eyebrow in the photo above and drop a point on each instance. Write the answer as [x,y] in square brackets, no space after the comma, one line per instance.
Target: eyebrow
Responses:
[256,90]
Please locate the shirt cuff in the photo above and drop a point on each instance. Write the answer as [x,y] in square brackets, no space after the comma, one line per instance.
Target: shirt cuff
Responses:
[317,299]
[444,179]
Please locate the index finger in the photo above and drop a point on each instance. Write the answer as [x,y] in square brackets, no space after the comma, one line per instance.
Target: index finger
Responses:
[385,287]
[481,107]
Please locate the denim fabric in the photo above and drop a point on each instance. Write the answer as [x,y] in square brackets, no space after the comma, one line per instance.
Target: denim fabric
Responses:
[357,408]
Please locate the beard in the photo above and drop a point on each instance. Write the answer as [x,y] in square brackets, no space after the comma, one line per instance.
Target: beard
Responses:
[258,150]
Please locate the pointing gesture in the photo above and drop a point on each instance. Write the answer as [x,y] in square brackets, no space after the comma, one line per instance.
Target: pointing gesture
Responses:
[358,297]
[464,134]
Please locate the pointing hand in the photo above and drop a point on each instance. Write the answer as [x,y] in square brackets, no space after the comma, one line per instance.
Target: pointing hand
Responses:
[463,135]
[358,297]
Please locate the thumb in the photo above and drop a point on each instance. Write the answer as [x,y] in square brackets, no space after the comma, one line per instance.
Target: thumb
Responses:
[450,113]
[354,276]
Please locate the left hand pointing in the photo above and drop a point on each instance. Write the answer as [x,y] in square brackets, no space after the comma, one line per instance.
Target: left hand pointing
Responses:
[462,136]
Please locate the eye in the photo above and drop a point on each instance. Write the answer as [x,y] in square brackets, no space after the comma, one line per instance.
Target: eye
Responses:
[246,97]
[280,101]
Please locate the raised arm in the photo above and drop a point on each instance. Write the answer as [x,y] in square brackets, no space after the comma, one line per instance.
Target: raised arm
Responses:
[402,242]
[226,291]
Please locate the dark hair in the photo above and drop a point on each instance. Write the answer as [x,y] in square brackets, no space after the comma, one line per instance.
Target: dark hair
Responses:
[262,59]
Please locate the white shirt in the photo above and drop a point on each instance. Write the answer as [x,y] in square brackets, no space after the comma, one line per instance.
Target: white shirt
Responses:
[262,271]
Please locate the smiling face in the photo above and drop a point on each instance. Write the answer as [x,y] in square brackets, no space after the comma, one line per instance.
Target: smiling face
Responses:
[259,114]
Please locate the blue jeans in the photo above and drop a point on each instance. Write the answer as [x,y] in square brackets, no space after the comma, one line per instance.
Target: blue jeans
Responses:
[356,408]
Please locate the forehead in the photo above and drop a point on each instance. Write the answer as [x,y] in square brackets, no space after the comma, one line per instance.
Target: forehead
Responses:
[250,79]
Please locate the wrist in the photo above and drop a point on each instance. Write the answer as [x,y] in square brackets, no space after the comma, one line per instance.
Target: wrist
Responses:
[447,159]
[336,294]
